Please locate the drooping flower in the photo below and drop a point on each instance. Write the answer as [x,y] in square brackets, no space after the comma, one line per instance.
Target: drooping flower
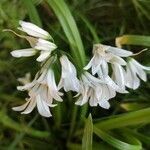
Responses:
[97,91]
[42,91]
[135,72]
[69,80]
[39,43]
[33,30]
[104,54]
[45,48]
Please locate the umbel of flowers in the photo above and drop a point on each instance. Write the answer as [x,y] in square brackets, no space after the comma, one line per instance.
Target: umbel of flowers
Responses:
[96,85]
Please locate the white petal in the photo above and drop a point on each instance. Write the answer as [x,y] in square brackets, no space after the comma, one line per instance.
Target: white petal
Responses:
[22,107]
[26,86]
[139,71]
[34,30]
[43,56]
[93,79]
[23,52]
[132,81]
[119,52]
[84,97]
[118,60]
[52,86]
[119,73]
[43,108]
[88,66]
[30,106]
[104,104]
[45,45]
[139,65]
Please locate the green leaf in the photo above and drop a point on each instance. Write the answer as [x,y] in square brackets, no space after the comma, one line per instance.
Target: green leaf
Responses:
[132,118]
[133,40]
[133,106]
[143,138]
[135,144]
[88,134]
[90,27]
[8,122]
[70,28]
[33,14]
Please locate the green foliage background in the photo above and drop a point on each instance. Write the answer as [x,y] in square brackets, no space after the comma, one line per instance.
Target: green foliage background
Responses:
[125,125]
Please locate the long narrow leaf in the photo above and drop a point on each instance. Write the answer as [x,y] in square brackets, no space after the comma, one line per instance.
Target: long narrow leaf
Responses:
[33,14]
[133,40]
[8,122]
[128,119]
[70,28]
[88,134]
[136,145]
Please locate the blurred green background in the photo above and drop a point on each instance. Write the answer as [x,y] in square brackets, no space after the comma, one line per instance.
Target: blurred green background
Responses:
[98,21]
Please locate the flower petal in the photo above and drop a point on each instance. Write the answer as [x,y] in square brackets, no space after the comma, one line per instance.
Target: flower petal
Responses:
[43,56]
[119,52]
[23,52]
[132,81]
[118,60]
[42,107]
[22,107]
[45,45]
[34,30]
[139,65]
[30,107]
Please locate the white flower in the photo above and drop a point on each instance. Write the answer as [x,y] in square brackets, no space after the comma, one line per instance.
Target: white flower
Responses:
[97,91]
[69,80]
[104,54]
[135,71]
[33,30]
[44,46]
[41,91]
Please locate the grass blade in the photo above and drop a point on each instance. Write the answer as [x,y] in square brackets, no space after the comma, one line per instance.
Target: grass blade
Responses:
[132,118]
[136,145]
[70,28]
[33,14]
[8,122]
[133,40]
[88,134]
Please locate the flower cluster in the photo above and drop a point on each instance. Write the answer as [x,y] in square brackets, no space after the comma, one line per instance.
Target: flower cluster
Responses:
[96,88]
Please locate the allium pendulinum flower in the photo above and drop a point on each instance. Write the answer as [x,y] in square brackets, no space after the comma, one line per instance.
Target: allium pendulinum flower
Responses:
[135,72]
[38,39]
[69,80]
[41,92]
[33,30]
[104,54]
[97,91]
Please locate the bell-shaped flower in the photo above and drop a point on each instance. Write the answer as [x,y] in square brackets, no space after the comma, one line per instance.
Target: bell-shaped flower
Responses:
[135,72]
[102,56]
[45,48]
[97,91]
[42,90]
[68,80]
[33,30]
[38,39]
